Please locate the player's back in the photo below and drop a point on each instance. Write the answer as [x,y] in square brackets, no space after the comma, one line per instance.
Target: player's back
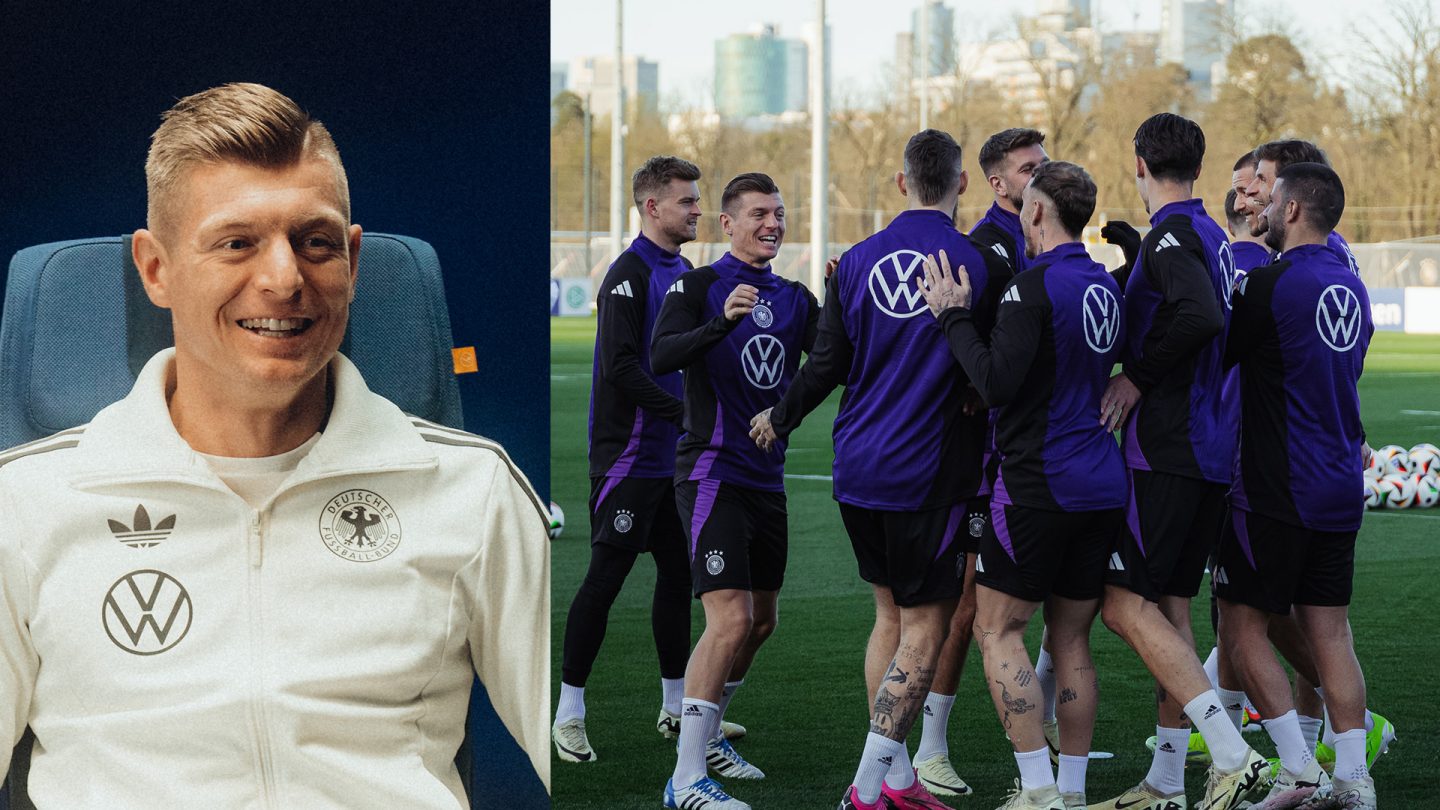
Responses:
[1180,425]
[1307,319]
[901,439]
[1055,454]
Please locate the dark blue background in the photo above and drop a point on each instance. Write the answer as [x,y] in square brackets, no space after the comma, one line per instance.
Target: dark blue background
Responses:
[440,116]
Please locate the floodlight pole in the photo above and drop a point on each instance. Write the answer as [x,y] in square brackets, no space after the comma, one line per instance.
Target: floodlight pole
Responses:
[589,179]
[819,153]
[924,64]
[617,139]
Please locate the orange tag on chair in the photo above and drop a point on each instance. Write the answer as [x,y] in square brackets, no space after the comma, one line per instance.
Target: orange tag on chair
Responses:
[465,362]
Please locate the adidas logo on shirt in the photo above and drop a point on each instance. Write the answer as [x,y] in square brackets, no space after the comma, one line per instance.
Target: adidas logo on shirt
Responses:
[623,288]
[1115,564]
[678,286]
[1000,249]
[1012,294]
[1168,240]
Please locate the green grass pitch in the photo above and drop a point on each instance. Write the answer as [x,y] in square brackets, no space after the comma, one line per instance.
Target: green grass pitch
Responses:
[804,700]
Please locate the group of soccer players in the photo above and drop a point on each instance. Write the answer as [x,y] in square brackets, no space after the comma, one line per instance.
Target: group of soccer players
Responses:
[978,472]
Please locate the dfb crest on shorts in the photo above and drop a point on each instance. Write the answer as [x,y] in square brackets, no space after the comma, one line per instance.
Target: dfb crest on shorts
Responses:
[1102,318]
[360,526]
[894,284]
[1337,317]
[762,315]
[624,521]
[977,525]
[146,612]
[762,359]
[714,562]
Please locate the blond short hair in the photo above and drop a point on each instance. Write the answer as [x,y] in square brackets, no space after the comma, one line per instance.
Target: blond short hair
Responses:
[239,122]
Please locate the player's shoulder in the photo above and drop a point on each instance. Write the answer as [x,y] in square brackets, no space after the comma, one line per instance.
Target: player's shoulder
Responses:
[53,453]
[1175,233]
[477,454]
[694,280]
[1027,289]
[628,266]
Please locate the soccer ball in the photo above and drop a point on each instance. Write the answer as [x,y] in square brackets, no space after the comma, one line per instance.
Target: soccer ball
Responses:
[1424,458]
[1372,473]
[1393,459]
[1374,467]
[557,520]
[1397,490]
[1427,489]
[1374,498]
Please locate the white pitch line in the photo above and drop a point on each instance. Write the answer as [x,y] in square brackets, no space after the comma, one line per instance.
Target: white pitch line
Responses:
[1419,413]
[1400,513]
[799,477]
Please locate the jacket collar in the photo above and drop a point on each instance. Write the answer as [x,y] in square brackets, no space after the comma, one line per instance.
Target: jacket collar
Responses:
[135,440]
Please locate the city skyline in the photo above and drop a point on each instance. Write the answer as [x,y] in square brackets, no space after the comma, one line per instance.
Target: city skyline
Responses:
[863,37]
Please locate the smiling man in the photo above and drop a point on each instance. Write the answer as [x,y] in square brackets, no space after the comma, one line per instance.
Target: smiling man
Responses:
[321,575]
[737,330]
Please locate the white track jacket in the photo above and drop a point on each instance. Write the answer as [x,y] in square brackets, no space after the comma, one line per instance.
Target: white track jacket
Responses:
[172,647]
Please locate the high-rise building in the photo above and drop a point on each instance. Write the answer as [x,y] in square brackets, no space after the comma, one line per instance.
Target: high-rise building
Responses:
[938,25]
[759,73]
[596,75]
[557,79]
[1191,36]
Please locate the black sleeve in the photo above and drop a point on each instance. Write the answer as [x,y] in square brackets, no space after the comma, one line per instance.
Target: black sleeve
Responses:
[999,272]
[1249,311]
[1181,276]
[826,367]
[680,338]
[619,333]
[997,371]
[812,320]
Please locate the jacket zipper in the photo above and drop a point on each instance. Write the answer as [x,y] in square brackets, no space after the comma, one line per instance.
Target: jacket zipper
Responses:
[255,555]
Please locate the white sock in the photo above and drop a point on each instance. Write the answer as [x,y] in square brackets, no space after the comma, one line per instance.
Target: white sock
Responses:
[901,774]
[1072,774]
[672,691]
[1035,768]
[1285,731]
[1227,749]
[725,697]
[1167,766]
[1045,674]
[1350,755]
[875,761]
[1310,731]
[1212,668]
[1369,721]
[696,717]
[1233,702]
[572,703]
[932,728]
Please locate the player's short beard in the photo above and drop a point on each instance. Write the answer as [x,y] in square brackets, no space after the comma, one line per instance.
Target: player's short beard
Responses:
[1260,227]
[1274,234]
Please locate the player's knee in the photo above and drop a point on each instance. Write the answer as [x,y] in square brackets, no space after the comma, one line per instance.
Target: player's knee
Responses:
[1118,617]
[762,627]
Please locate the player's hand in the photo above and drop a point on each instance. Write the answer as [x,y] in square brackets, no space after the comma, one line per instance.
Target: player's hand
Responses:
[1119,398]
[741,301]
[761,431]
[940,290]
[971,402]
[830,266]
[1123,234]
